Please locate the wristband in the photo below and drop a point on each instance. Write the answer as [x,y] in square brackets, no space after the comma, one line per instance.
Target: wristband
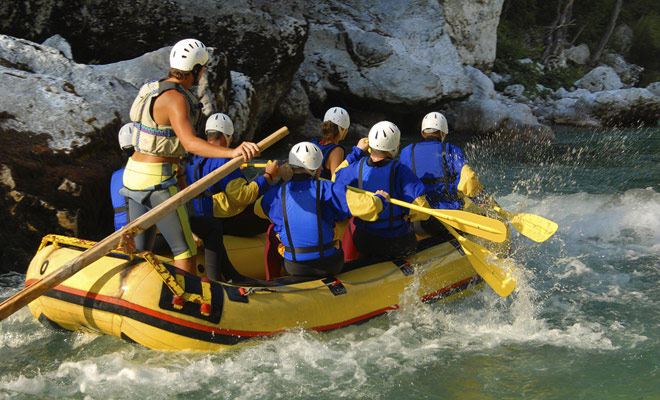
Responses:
[269,175]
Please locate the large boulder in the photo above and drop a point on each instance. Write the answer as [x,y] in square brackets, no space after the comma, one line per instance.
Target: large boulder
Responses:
[386,51]
[578,54]
[261,39]
[621,107]
[599,79]
[629,73]
[472,26]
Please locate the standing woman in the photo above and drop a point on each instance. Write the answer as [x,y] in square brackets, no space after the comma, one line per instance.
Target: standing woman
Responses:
[334,128]
[165,114]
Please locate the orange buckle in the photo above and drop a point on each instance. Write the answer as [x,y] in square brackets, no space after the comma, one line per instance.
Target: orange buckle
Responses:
[178,302]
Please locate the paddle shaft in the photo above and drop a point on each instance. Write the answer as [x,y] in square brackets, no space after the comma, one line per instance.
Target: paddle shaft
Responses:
[480,225]
[254,165]
[139,225]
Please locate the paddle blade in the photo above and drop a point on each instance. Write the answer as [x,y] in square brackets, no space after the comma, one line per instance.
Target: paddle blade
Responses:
[473,224]
[501,282]
[533,226]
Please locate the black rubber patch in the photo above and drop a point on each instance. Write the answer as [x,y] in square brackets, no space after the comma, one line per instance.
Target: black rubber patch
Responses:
[194,285]
[336,288]
[457,246]
[405,267]
[233,294]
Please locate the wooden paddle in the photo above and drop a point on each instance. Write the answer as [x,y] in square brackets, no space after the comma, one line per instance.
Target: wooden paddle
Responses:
[25,296]
[474,224]
[501,282]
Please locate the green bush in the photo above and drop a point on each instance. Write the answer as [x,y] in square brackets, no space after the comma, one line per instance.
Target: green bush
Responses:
[645,50]
[528,75]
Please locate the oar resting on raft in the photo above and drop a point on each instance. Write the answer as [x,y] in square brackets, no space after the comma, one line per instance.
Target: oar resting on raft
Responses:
[501,282]
[139,225]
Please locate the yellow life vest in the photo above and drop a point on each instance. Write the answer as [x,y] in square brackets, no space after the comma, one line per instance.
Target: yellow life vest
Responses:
[150,137]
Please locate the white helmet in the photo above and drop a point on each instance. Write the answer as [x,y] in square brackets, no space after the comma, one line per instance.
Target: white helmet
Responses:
[222,123]
[384,136]
[339,116]
[434,121]
[187,53]
[126,136]
[306,155]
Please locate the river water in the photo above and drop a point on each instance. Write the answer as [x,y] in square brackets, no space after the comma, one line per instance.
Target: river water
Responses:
[582,323]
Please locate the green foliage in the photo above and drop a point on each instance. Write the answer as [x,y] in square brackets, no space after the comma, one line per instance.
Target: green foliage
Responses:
[525,24]
[645,50]
[509,45]
[529,74]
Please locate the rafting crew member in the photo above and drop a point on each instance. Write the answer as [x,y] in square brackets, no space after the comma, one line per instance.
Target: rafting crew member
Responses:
[333,129]
[392,234]
[232,197]
[119,202]
[226,198]
[165,114]
[442,168]
[305,210]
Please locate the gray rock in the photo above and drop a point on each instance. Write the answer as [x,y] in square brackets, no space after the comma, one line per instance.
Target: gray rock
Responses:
[383,51]
[484,112]
[622,106]
[621,39]
[241,108]
[599,79]
[59,43]
[654,88]
[472,26]
[514,90]
[629,73]
[294,106]
[47,93]
[578,54]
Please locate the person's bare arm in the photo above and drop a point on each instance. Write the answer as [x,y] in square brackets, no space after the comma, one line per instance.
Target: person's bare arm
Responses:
[172,108]
[335,158]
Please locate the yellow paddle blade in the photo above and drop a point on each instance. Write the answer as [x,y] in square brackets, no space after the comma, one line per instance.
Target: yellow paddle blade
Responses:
[473,224]
[501,282]
[533,226]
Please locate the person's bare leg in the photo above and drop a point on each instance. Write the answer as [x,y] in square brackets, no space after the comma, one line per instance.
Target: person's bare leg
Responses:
[187,264]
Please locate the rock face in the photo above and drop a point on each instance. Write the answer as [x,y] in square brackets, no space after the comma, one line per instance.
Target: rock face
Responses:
[397,53]
[262,39]
[472,26]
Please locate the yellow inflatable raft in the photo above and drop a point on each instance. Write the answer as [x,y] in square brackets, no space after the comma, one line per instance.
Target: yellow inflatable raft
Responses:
[146,300]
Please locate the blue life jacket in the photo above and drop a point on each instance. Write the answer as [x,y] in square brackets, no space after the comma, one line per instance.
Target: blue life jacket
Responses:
[304,211]
[119,202]
[198,167]
[325,149]
[438,165]
[382,176]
